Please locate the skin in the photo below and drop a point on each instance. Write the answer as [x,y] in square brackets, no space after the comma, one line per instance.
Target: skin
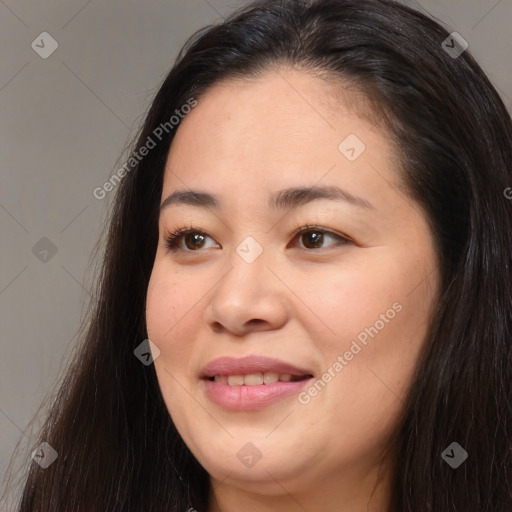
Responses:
[304,305]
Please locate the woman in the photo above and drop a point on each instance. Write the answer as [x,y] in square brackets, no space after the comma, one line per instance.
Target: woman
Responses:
[285,372]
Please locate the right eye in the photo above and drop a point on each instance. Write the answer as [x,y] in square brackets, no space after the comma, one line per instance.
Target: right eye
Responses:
[193,243]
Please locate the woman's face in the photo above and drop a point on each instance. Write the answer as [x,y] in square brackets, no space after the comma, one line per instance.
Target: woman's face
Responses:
[346,304]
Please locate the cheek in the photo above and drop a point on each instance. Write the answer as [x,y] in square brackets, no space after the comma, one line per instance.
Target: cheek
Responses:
[348,300]
[378,318]
[169,298]
[385,290]
[171,317]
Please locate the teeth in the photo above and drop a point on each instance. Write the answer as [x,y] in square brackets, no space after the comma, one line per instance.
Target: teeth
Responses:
[235,380]
[253,379]
[270,377]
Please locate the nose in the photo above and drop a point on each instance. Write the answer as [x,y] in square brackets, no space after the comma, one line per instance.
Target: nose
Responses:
[249,297]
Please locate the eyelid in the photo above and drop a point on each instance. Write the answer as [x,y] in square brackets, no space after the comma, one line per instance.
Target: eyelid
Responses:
[174,238]
[310,227]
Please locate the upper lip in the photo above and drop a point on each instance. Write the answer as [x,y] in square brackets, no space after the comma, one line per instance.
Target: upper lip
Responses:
[250,364]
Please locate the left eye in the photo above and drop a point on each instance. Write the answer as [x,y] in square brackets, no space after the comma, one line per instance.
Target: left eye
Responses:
[311,236]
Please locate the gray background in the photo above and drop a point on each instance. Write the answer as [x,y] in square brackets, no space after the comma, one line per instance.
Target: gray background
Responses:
[65,121]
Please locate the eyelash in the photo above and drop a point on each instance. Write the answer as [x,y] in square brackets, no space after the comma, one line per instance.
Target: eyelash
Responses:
[173,239]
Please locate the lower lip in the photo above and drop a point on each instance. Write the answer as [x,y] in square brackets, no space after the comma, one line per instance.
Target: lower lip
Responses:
[249,398]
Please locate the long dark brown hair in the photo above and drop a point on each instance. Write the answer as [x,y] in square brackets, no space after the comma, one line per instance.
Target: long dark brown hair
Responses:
[118,448]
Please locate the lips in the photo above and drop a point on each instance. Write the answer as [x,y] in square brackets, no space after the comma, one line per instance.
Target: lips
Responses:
[256,379]
[251,382]
[249,365]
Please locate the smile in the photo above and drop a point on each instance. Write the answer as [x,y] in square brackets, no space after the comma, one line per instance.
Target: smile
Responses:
[256,379]
[251,382]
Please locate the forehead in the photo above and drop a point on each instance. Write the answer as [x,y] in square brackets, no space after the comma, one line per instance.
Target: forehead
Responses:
[281,125]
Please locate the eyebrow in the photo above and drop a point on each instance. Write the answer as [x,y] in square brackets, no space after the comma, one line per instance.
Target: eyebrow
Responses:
[289,198]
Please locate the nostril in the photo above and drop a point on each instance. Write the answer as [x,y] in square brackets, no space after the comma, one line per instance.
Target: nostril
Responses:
[216,327]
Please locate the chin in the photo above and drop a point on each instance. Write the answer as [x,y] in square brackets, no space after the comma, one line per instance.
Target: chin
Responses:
[259,474]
